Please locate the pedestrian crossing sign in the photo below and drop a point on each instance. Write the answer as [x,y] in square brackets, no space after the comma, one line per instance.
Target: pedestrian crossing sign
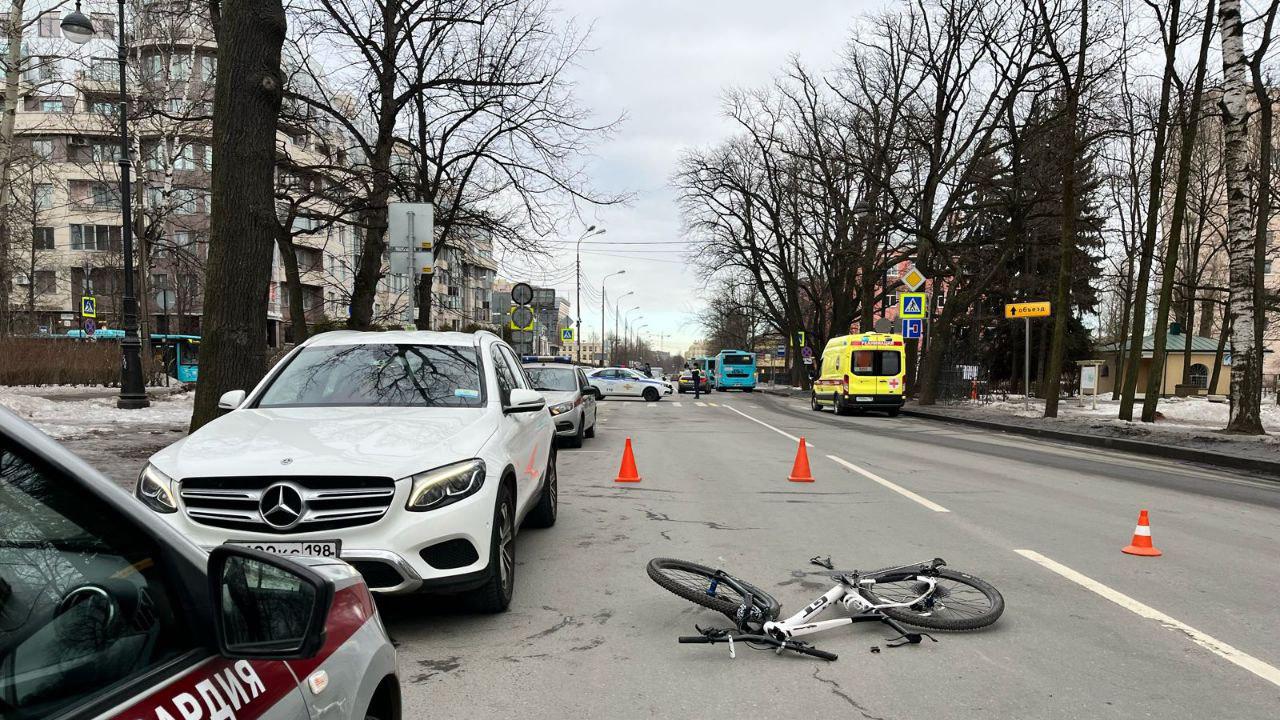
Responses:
[913,305]
[566,334]
[89,306]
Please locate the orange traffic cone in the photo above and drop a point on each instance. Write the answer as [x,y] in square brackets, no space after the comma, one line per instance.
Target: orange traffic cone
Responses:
[628,471]
[800,470]
[1141,544]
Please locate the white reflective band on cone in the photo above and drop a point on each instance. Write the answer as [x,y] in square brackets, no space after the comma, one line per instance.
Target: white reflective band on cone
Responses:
[1144,530]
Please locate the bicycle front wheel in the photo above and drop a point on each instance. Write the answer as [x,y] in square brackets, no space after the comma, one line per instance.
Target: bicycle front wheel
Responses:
[711,589]
[959,601]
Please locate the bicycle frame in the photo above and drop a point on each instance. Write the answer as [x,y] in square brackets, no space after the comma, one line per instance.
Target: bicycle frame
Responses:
[800,624]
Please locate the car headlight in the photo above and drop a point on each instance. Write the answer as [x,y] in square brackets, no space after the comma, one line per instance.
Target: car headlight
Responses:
[155,490]
[561,408]
[446,485]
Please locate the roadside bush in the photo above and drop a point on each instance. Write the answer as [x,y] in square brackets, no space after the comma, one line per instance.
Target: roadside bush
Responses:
[41,361]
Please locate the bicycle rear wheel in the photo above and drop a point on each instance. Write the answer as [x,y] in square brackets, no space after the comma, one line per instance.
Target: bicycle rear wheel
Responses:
[959,601]
[710,589]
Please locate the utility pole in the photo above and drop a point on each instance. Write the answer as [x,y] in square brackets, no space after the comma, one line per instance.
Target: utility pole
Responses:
[577,308]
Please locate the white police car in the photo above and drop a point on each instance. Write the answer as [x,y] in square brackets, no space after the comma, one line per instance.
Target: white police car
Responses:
[625,382]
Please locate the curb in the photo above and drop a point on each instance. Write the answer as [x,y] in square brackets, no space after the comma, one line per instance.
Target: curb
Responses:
[1141,447]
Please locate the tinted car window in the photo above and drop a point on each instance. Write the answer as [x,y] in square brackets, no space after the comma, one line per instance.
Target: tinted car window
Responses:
[737,360]
[84,606]
[517,369]
[383,375]
[876,363]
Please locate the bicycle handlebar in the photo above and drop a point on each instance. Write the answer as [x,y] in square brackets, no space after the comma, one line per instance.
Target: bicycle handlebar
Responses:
[802,648]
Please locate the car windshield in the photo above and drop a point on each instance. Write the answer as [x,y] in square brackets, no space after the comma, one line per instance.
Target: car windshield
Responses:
[369,375]
[553,379]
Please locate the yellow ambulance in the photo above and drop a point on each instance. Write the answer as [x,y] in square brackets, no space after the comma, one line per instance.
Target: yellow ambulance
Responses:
[861,372]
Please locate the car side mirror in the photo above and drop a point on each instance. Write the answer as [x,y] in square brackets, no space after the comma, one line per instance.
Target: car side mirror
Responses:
[594,392]
[231,399]
[267,606]
[523,400]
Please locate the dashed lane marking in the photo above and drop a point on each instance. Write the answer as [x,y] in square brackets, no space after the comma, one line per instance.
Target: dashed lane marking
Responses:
[896,488]
[677,404]
[700,404]
[713,404]
[1204,640]
[761,422]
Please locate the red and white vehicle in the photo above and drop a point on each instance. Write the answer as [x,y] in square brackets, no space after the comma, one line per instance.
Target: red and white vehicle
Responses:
[106,613]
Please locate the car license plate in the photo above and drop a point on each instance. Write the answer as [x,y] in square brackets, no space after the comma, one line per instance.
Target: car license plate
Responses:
[863,398]
[316,548]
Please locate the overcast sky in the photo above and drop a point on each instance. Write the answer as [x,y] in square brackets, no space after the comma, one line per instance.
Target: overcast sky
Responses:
[664,64]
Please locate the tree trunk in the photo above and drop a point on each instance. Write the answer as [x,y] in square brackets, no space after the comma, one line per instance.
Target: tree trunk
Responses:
[1246,374]
[250,35]
[1223,338]
[13,56]
[293,276]
[1155,374]
[931,366]
[1139,326]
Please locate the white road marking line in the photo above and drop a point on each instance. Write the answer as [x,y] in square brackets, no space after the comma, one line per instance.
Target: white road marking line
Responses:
[677,404]
[700,404]
[896,488]
[761,422]
[713,404]
[1204,640]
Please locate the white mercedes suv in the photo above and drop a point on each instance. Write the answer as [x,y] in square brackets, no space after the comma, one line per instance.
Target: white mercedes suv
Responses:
[414,456]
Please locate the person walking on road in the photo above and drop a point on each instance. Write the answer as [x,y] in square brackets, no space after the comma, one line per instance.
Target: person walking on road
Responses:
[697,380]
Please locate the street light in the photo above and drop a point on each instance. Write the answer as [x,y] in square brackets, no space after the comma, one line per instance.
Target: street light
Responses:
[78,28]
[589,232]
[603,297]
[617,307]
[627,327]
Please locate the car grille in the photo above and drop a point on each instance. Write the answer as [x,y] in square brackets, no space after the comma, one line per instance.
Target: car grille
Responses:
[328,502]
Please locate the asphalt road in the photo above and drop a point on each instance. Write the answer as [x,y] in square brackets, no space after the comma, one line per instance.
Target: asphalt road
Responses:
[1088,631]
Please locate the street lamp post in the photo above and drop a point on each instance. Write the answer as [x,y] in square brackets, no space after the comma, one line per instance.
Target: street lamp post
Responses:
[78,28]
[628,329]
[617,308]
[577,308]
[604,297]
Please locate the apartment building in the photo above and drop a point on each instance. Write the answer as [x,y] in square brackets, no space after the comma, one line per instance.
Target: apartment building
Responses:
[66,222]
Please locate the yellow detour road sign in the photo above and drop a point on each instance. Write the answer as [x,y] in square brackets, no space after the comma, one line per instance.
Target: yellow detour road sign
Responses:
[1027,309]
[913,305]
[521,317]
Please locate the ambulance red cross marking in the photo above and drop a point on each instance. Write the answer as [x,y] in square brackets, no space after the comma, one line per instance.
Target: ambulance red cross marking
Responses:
[893,383]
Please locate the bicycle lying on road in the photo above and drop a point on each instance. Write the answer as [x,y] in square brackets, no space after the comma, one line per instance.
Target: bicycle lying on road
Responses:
[926,595]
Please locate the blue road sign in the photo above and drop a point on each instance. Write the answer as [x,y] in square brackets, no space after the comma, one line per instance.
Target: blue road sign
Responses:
[90,327]
[912,304]
[912,328]
[89,306]
[781,352]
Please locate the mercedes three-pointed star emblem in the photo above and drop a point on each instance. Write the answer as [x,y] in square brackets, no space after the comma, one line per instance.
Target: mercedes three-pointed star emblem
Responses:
[281,506]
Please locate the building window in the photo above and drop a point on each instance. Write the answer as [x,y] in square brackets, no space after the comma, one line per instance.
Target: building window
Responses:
[95,237]
[42,148]
[106,152]
[43,68]
[42,197]
[97,194]
[49,24]
[103,69]
[185,201]
[176,106]
[185,159]
[160,281]
[53,105]
[42,238]
[153,68]
[103,107]
[208,68]
[104,25]
[208,157]
[180,67]
[184,241]
[1266,267]
[46,282]
[1199,375]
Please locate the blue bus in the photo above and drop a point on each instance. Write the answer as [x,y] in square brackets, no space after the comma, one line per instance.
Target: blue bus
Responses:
[735,370]
[181,353]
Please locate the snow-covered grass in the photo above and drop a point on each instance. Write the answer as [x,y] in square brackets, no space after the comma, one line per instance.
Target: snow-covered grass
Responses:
[1191,420]
[70,416]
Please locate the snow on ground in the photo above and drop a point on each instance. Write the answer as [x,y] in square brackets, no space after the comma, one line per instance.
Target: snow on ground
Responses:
[1189,422]
[87,421]
[74,414]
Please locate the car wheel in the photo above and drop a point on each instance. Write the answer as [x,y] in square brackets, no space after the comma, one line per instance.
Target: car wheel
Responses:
[748,389]
[575,440]
[840,407]
[591,431]
[650,395]
[495,595]
[893,412]
[543,515]
[813,402]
